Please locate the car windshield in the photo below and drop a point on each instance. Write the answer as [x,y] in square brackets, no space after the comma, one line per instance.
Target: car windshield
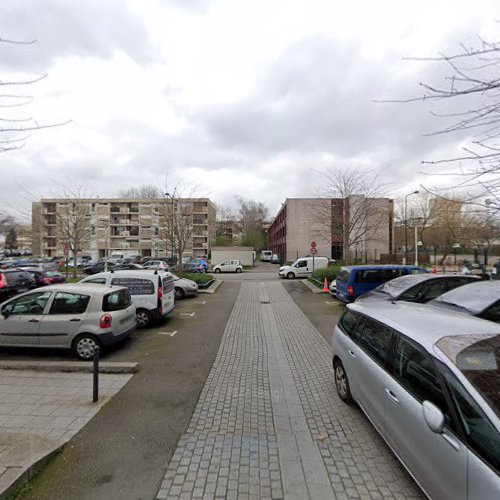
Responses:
[399,285]
[477,356]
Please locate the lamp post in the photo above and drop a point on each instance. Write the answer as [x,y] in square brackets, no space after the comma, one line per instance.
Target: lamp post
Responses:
[456,246]
[405,258]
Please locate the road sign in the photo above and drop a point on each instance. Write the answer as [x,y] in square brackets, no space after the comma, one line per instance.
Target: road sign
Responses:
[66,249]
[313,251]
[313,244]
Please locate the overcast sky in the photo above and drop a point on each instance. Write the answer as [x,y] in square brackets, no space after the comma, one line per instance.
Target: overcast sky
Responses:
[242,97]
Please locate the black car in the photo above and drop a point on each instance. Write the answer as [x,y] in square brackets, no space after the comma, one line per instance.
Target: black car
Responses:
[14,281]
[129,266]
[419,288]
[99,268]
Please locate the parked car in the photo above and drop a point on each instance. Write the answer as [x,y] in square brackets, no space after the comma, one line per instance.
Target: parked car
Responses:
[353,281]
[266,255]
[481,299]
[229,266]
[193,267]
[184,287]
[129,266]
[68,316]
[275,259]
[98,267]
[417,287]
[428,381]
[152,292]
[43,278]
[156,264]
[202,262]
[303,267]
[14,281]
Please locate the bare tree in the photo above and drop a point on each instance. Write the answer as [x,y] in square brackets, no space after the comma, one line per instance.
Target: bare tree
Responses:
[146,191]
[15,128]
[349,206]
[473,81]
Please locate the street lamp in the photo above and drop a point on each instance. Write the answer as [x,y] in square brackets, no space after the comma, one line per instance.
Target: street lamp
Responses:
[406,226]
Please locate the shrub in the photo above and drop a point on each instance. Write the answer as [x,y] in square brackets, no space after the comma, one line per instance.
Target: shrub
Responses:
[330,273]
[200,278]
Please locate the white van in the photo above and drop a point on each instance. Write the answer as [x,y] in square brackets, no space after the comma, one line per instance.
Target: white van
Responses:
[266,255]
[152,292]
[303,267]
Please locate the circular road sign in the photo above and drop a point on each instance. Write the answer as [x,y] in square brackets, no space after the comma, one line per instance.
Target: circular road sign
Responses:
[313,244]
[313,251]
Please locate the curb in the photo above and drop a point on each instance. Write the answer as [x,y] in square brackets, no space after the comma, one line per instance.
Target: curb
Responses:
[212,288]
[28,474]
[312,287]
[69,366]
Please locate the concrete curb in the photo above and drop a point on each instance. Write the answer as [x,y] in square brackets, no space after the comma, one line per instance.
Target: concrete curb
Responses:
[28,474]
[212,288]
[70,366]
[312,287]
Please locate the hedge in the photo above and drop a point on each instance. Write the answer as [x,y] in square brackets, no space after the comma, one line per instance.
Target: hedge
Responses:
[200,278]
[330,273]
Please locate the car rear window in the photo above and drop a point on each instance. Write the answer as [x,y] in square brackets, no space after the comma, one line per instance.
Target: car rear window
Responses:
[136,286]
[116,301]
[17,276]
[376,275]
[343,276]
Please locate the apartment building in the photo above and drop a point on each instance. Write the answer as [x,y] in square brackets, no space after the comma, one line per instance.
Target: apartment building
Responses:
[355,228]
[147,227]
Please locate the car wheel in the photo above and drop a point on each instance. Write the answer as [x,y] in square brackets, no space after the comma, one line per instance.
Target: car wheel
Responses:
[290,276]
[179,293]
[84,346]
[342,382]
[238,269]
[144,318]
[217,271]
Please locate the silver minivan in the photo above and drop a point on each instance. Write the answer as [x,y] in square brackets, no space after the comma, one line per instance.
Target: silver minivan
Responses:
[428,380]
[68,316]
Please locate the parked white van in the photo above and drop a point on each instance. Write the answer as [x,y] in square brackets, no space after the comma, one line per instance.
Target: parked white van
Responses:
[152,292]
[266,255]
[303,267]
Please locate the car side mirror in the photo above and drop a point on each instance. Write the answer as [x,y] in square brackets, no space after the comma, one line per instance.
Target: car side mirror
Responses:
[5,313]
[433,417]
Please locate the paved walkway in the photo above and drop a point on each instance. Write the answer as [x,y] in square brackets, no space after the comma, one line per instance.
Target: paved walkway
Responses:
[40,412]
[269,423]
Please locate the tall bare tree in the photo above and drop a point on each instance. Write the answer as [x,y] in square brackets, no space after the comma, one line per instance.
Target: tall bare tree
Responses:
[349,206]
[146,191]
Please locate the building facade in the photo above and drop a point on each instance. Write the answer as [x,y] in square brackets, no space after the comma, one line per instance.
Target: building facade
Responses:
[131,226]
[355,228]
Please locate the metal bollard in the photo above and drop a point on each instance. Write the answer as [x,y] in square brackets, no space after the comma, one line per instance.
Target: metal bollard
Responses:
[95,394]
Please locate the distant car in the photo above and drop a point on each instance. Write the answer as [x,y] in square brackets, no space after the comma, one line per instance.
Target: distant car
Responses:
[203,262]
[428,381]
[193,267]
[98,267]
[14,281]
[417,287]
[229,266]
[481,299]
[275,259]
[184,287]
[128,267]
[77,317]
[43,278]
[156,264]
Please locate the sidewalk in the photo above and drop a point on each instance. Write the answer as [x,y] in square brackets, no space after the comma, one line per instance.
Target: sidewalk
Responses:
[269,424]
[39,413]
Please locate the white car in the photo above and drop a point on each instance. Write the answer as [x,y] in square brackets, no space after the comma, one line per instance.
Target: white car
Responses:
[184,287]
[229,266]
[156,264]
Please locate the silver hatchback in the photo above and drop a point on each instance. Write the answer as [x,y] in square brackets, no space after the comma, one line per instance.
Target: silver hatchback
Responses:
[77,317]
[429,381]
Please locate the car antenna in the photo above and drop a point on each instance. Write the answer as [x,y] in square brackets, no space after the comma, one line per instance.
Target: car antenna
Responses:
[156,271]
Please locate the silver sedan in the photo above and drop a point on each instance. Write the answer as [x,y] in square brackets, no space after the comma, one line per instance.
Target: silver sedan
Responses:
[184,287]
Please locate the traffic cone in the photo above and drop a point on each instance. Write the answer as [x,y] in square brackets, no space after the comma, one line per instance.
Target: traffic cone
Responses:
[325,286]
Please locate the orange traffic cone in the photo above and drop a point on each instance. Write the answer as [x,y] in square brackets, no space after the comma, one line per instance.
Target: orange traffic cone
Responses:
[325,286]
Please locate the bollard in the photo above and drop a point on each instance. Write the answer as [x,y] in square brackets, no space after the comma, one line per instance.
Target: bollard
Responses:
[95,395]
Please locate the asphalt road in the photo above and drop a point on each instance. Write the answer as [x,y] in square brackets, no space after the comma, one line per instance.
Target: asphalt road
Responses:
[124,450]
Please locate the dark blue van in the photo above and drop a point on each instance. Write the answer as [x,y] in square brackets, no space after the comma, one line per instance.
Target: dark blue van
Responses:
[353,281]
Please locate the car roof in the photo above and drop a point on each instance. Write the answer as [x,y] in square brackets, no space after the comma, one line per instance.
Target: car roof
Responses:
[382,266]
[81,288]
[136,273]
[475,297]
[422,322]
[402,283]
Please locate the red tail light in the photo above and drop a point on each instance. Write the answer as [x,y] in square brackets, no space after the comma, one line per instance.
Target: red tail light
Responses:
[350,290]
[105,321]
[160,297]
[3,283]
[46,281]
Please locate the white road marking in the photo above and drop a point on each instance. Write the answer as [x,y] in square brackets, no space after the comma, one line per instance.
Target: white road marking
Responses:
[187,314]
[168,333]
[334,303]
[204,302]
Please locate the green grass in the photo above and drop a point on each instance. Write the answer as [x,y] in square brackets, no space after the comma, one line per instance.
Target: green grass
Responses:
[200,278]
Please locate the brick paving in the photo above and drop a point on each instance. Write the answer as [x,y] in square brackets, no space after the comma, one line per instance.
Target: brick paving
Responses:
[269,423]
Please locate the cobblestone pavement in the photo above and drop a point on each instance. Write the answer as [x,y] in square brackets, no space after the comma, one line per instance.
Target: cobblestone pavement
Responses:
[41,411]
[269,423]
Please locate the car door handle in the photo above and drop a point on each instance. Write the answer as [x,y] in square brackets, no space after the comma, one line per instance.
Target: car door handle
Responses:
[351,353]
[33,321]
[391,396]
[75,319]
[451,441]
